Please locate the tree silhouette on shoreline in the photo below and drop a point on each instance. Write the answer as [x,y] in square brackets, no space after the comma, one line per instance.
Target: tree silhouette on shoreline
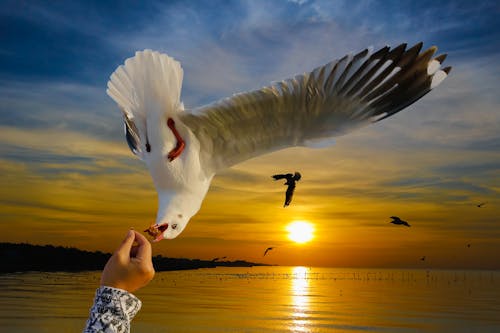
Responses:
[48,258]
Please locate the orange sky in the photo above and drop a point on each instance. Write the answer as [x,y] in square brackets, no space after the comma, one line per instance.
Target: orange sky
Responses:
[347,192]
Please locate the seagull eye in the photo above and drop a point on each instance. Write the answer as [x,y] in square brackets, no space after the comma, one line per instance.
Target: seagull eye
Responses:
[174,226]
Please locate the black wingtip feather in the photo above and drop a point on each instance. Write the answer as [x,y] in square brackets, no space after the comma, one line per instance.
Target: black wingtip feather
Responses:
[441,58]
[447,70]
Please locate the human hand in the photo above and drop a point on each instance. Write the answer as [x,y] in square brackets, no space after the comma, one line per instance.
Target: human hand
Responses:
[131,266]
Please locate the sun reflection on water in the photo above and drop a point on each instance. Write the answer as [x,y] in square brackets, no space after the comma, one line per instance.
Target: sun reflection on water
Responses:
[300,300]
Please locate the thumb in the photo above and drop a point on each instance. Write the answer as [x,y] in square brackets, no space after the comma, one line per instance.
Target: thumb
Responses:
[126,245]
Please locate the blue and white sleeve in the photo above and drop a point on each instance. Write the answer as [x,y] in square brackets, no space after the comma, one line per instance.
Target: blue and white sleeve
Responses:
[112,312]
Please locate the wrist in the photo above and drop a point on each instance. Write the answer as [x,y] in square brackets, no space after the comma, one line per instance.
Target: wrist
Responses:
[113,287]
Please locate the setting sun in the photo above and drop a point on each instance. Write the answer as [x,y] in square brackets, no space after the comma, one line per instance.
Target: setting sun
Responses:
[300,231]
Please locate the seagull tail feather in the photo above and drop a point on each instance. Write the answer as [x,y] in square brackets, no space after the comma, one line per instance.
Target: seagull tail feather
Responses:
[148,82]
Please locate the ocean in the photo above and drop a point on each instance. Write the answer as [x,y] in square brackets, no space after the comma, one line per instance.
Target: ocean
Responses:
[267,299]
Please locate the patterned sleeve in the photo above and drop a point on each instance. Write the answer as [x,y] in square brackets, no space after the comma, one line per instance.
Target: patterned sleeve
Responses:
[112,311]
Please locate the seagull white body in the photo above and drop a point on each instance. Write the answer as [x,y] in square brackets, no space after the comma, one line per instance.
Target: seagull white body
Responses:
[307,110]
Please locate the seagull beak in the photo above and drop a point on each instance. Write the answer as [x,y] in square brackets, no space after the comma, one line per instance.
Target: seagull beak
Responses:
[160,228]
[156,231]
[158,238]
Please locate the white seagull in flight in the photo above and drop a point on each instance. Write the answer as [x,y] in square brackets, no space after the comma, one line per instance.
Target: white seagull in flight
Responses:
[184,149]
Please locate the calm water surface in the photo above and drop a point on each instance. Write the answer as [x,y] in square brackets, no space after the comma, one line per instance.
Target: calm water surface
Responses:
[267,299]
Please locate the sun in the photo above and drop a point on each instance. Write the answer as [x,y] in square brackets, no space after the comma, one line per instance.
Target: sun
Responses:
[300,231]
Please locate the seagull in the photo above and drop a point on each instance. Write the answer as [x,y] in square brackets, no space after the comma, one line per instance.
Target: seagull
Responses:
[267,250]
[481,204]
[398,221]
[185,148]
[290,181]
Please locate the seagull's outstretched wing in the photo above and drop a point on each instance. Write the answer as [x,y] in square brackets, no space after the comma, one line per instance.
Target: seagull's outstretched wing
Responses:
[303,111]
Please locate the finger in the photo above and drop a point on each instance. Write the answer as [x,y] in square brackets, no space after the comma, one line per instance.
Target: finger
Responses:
[126,245]
[143,250]
[133,251]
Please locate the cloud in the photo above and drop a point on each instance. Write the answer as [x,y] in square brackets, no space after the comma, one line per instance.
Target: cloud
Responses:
[61,142]
[61,106]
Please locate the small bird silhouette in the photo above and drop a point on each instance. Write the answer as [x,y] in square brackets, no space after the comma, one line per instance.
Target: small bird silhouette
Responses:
[290,181]
[217,259]
[423,258]
[468,245]
[481,204]
[398,221]
[267,250]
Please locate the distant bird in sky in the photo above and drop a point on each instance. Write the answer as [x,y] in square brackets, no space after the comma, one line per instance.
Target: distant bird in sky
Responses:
[396,220]
[423,258]
[290,181]
[481,204]
[267,250]
[184,149]
[468,245]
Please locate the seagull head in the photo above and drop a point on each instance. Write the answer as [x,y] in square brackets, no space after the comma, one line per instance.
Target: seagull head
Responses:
[178,204]
[174,212]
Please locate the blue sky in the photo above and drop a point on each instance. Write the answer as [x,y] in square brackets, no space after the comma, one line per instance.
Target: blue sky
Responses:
[66,50]
[60,132]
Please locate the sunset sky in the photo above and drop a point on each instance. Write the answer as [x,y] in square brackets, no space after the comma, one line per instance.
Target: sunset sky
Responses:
[68,177]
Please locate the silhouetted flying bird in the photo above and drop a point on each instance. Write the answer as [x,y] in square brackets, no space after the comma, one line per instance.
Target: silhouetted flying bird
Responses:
[267,250]
[481,204]
[290,181]
[398,221]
